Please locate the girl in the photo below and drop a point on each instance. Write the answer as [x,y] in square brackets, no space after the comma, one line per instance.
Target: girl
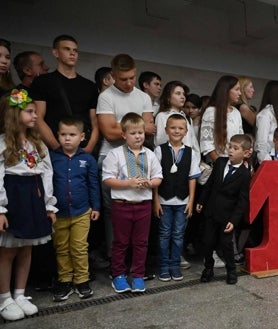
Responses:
[221,120]
[248,113]
[193,106]
[26,202]
[6,82]
[172,101]
[267,120]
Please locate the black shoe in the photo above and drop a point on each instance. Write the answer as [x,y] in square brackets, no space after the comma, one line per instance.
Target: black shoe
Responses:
[149,276]
[231,277]
[62,291]
[83,290]
[239,259]
[207,275]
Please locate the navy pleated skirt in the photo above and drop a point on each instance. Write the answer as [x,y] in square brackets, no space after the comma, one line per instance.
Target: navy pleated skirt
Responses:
[27,214]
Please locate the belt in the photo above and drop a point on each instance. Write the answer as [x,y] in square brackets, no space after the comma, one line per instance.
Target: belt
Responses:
[130,202]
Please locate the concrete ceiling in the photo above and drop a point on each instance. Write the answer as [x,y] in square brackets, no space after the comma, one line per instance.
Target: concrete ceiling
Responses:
[242,26]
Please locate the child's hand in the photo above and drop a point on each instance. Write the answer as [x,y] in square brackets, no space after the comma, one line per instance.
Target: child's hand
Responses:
[147,183]
[52,216]
[95,215]
[157,209]
[188,210]
[229,227]
[140,183]
[136,182]
[3,223]
[199,207]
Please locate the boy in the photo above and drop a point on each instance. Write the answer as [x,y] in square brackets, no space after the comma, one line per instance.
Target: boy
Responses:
[173,199]
[131,171]
[150,83]
[225,197]
[76,187]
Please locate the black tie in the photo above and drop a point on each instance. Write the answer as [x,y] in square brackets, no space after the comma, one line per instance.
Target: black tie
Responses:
[230,172]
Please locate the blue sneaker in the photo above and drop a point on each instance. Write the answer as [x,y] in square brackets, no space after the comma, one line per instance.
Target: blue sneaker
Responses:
[176,274]
[138,285]
[164,276]
[119,284]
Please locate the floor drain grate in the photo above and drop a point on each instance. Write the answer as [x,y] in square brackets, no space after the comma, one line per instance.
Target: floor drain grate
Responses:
[109,299]
[77,306]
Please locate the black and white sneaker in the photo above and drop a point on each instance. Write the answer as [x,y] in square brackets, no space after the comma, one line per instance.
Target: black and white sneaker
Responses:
[62,291]
[83,290]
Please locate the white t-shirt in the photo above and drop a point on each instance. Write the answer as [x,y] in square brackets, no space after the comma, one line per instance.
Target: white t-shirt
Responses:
[113,101]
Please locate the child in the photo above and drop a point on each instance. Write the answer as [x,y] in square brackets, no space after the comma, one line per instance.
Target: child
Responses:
[76,186]
[225,197]
[173,199]
[132,171]
[26,201]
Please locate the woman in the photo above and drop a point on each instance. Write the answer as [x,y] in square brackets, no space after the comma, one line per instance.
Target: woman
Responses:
[6,82]
[266,122]
[221,120]
[248,113]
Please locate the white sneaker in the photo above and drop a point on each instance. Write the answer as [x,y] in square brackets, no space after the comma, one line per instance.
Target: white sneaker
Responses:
[9,310]
[27,307]
[184,263]
[218,262]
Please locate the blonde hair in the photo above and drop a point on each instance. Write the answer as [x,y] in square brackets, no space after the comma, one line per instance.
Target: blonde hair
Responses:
[11,129]
[243,83]
[132,119]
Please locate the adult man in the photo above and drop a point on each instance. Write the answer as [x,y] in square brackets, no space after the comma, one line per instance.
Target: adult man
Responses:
[28,65]
[113,104]
[150,83]
[65,93]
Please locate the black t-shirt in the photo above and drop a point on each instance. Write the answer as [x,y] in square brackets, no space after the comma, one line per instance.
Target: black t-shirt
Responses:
[82,95]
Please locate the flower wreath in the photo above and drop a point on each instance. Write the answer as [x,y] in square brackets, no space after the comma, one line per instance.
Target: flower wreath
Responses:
[19,98]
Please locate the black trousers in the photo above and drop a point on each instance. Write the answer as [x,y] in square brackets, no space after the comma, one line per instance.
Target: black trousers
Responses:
[214,236]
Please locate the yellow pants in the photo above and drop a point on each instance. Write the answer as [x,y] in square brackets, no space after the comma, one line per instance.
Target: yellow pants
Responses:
[70,243]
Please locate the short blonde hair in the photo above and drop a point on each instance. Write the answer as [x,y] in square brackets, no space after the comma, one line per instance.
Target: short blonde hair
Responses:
[131,119]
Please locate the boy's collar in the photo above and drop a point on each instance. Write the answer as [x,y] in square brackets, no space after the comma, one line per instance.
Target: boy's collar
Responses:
[181,146]
[235,165]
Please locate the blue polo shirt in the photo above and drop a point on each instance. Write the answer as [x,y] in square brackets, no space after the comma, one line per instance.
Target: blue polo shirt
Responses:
[75,182]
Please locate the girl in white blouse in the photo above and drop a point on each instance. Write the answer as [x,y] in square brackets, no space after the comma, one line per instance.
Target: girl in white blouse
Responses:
[267,119]
[221,120]
[27,208]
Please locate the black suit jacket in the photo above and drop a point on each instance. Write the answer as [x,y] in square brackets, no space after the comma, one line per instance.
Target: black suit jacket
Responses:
[226,201]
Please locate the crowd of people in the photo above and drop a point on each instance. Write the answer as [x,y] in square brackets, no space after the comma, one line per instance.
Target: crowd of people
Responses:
[73,152]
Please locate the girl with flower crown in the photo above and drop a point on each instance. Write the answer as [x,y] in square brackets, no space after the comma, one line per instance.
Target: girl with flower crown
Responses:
[26,202]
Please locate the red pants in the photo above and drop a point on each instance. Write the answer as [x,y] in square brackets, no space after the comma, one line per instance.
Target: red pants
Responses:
[131,225]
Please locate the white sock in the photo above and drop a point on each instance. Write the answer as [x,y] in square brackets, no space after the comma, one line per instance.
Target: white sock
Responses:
[18,292]
[5,296]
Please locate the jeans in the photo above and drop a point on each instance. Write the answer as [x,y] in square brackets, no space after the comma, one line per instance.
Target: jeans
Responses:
[171,233]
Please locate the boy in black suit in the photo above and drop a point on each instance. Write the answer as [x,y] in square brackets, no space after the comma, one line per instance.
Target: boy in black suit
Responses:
[225,197]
